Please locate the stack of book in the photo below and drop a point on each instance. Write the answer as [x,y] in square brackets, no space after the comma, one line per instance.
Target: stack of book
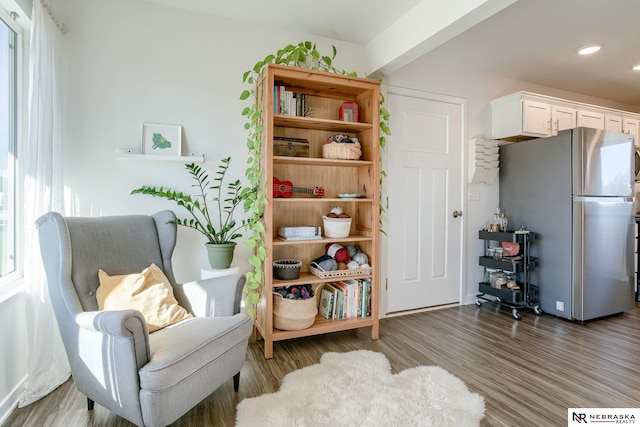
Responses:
[288,103]
[346,299]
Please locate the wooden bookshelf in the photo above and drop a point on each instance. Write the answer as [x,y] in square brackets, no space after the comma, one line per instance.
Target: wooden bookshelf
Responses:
[326,92]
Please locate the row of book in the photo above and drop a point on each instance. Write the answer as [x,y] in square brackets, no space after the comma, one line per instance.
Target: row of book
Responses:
[288,103]
[345,299]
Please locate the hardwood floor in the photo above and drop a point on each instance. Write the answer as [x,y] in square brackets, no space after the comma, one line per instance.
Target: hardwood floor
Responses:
[529,371]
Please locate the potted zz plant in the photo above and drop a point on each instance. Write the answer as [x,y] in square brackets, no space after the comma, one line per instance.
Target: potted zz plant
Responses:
[220,238]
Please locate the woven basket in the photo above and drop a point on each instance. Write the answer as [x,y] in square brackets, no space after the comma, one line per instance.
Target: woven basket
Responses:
[338,274]
[341,151]
[293,314]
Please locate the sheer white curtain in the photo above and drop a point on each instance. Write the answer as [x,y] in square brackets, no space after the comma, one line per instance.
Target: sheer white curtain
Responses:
[43,192]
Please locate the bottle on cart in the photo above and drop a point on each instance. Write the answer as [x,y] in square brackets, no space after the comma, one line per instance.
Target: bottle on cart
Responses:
[500,279]
[495,222]
[503,221]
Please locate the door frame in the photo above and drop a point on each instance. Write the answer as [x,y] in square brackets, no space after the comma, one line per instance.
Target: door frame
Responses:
[387,90]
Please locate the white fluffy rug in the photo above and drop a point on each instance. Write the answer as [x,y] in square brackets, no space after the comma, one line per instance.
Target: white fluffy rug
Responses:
[358,389]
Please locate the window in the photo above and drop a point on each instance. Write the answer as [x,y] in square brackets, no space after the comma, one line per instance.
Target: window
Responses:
[8,145]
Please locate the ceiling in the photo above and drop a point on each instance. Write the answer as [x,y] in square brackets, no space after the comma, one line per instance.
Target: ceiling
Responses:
[356,21]
[531,40]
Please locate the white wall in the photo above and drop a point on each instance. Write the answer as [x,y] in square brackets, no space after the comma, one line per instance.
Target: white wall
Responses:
[13,351]
[129,62]
[478,89]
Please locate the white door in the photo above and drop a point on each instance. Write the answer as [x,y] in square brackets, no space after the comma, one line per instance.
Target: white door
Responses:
[424,189]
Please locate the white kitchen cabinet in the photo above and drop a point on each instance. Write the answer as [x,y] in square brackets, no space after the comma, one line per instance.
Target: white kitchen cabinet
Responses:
[613,122]
[536,118]
[519,117]
[631,126]
[590,119]
[562,117]
[524,115]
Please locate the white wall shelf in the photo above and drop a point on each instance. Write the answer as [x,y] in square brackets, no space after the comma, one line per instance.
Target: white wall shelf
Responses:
[198,158]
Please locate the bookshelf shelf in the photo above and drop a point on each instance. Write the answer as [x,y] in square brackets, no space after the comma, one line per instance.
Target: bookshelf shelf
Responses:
[324,326]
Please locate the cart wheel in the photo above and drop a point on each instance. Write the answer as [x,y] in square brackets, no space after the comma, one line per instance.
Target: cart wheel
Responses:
[537,310]
[515,314]
[478,303]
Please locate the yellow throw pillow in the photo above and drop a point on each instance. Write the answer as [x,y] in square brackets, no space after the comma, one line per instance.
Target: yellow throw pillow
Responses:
[148,292]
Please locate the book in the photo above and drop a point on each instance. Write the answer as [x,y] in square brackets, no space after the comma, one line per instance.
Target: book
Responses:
[325,307]
[353,293]
[338,301]
[365,297]
[350,292]
[282,108]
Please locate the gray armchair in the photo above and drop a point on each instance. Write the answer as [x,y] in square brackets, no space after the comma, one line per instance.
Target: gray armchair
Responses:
[149,379]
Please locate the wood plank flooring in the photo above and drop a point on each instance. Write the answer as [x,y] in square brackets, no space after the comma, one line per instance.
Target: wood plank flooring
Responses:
[529,371]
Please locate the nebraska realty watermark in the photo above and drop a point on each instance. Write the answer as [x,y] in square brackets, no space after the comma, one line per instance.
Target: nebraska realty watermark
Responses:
[582,416]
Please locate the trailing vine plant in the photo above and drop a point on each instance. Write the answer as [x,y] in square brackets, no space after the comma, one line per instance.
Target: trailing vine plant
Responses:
[303,55]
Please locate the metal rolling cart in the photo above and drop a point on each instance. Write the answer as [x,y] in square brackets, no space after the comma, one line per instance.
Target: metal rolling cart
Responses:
[520,265]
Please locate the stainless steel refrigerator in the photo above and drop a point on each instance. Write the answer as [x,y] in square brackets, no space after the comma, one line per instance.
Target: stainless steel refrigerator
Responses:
[575,191]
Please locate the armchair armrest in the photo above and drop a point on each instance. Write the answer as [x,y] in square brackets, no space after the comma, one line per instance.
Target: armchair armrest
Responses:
[127,328]
[214,297]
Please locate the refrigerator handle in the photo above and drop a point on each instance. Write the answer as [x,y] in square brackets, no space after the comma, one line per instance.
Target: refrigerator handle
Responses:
[602,199]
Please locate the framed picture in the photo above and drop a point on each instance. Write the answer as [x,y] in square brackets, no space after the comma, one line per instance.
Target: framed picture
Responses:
[160,139]
[349,112]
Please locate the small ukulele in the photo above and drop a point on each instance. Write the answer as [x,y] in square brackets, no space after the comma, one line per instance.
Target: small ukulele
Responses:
[286,188]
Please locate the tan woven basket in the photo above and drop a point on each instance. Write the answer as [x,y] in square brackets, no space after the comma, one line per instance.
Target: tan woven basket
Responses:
[341,151]
[292,314]
[337,274]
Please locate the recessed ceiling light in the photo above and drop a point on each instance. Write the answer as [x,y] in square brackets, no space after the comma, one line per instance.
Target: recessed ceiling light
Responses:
[636,67]
[587,50]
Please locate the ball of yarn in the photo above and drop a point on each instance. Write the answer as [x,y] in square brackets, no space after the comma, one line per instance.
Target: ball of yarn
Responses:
[353,265]
[338,252]
[326,263]
[361,258]
[329,264]
[337,210]
[342,266]
[352,250]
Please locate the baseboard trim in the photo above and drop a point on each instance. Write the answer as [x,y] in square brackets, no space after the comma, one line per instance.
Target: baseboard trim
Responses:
[421,310]
[10,403]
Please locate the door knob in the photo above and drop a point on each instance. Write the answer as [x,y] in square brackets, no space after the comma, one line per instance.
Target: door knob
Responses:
[456,214]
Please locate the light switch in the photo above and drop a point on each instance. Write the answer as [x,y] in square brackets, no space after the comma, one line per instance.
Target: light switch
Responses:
[473,196]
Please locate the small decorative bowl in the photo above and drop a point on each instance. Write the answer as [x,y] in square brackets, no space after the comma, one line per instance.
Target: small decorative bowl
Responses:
[286,269]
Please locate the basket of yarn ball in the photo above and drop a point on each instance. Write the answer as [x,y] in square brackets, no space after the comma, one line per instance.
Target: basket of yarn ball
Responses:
[294,308]
[338,151]
[341,147]
[336,224]
[340,262]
